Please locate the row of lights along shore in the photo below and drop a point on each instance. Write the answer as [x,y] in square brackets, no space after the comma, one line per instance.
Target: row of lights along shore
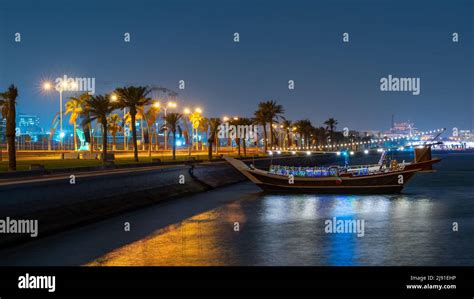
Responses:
[293,150]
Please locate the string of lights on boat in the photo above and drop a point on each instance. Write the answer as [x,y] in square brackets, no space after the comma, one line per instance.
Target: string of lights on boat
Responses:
[334,147]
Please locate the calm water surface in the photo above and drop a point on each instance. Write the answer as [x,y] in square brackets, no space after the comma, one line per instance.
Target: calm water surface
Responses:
[413,228]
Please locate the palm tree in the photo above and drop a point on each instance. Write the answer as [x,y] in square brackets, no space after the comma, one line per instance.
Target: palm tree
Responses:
[331,126]
[287,126]
[204,127]
[113,122]
[319,135]
[260,119]
[271,112]
[303,128]
[236,122]
[133,97]
[172,125]
[98,107]
[245,122]
[150,117]
[74,107]
[8,104]
[214,124]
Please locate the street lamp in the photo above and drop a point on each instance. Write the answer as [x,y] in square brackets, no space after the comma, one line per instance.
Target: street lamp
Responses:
[62,87]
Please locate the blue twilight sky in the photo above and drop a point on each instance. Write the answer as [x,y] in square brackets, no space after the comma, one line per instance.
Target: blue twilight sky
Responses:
[192,40]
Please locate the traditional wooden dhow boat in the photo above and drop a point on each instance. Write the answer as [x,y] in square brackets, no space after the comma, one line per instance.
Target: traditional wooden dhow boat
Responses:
[381,178]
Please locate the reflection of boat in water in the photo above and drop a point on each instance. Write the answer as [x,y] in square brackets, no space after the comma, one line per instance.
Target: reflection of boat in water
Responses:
[375,179]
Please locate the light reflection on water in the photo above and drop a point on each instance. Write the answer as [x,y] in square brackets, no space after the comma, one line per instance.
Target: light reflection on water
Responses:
[414,228]
[283,230]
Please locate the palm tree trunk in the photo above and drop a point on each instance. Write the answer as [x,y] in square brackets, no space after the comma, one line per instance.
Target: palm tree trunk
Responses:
[104,141]
[265,137]
[237,142]
[134,136]
[10,132]
[150,143]
[114,142]
[271,134]
[209,150]
[143,135]
[75,137]
[174,145]
[91,138]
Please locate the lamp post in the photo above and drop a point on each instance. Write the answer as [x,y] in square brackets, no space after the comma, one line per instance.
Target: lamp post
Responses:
[62,87]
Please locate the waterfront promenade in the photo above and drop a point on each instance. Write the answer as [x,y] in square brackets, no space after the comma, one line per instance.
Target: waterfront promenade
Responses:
[58,204]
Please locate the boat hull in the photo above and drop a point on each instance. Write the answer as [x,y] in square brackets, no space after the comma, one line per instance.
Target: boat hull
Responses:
[386,183]
[380,183]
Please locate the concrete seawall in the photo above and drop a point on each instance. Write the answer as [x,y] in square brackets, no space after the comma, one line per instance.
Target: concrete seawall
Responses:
[58,205]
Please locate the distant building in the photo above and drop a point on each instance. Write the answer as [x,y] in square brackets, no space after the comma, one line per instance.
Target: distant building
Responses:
[401,129]
[29,124]
[462,135]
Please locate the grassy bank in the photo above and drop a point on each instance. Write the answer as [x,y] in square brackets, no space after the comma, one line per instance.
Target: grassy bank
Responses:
[56,163]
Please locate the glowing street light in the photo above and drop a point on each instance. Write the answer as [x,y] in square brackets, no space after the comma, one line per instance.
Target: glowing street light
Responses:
[46,85]
[63,86]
